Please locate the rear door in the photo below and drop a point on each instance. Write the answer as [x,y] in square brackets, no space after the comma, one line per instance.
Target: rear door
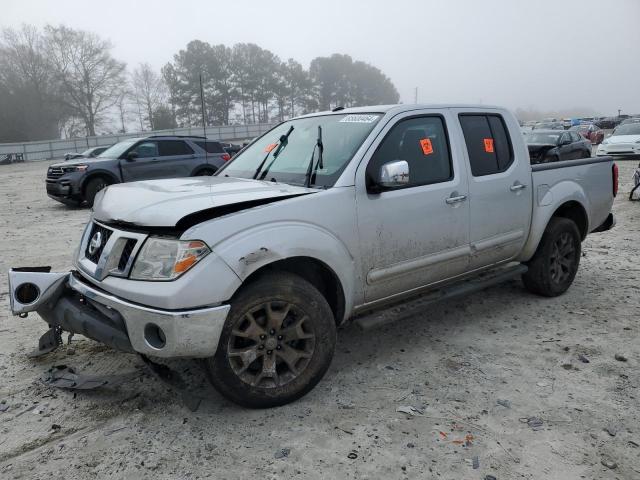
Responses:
[177,159]
[499,187]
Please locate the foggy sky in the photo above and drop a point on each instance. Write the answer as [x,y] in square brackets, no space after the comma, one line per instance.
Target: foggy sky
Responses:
[546,54]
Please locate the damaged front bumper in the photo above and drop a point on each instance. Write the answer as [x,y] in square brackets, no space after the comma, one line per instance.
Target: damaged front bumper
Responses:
[67,301]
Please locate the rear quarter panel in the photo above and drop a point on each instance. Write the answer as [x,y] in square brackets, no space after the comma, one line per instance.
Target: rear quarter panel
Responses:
[588,184]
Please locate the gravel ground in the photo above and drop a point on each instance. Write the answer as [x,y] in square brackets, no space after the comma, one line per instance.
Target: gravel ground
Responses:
[476,370]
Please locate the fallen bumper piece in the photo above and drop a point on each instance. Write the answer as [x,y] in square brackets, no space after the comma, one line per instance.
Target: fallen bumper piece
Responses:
[68,301]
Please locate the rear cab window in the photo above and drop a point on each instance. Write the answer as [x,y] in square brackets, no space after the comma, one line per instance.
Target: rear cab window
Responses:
[170,148]
[488,143]
[210,147]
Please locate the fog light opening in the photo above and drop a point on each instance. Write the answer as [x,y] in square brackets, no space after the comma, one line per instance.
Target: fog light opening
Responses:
[27,293]
[154,336]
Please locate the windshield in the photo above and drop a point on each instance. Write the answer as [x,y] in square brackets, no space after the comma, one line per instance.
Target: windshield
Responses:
[628,129]
[118,149]
[342,135]
[542,137]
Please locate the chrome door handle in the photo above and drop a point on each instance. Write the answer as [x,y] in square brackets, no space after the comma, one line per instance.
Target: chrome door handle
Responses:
[458,199]
[517,186]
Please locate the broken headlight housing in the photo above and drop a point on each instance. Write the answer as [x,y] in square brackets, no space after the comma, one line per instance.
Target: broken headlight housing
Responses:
[163,259]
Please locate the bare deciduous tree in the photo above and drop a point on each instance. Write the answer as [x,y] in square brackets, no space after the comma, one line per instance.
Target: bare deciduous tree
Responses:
[150,91]
[90,78]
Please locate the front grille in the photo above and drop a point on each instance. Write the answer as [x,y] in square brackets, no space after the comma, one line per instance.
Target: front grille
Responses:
[105,233]
[55,172]
[126,253]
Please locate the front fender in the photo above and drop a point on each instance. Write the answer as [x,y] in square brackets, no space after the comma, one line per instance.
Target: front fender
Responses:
[547,200]
[248,251]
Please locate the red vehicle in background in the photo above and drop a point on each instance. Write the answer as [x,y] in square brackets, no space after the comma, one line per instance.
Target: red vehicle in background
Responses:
[590,131]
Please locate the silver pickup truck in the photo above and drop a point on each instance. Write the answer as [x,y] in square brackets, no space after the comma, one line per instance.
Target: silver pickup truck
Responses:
[358,213]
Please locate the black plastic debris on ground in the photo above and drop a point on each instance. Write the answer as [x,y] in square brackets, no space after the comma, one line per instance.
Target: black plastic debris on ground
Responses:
[62,376]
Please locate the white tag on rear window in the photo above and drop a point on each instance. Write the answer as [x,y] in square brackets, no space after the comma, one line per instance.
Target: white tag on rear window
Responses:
[359,119]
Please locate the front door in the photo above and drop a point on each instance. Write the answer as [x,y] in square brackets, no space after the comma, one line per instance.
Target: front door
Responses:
[417,234]
[145,164]
[499,188]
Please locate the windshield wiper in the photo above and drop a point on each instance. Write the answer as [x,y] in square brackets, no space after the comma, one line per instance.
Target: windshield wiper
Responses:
[311,170]
[284,139]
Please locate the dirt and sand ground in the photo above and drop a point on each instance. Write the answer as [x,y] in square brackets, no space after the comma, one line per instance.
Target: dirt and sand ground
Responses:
[453,364]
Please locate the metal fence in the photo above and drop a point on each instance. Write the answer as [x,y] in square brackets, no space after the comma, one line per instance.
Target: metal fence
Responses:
[55,149]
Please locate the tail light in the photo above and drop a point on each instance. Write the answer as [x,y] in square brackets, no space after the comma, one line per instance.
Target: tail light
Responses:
[614,177]
[226,157]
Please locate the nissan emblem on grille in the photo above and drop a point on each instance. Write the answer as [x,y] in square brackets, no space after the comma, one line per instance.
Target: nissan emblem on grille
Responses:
[95,243]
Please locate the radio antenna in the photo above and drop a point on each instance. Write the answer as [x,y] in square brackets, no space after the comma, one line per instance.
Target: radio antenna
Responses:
[204,122]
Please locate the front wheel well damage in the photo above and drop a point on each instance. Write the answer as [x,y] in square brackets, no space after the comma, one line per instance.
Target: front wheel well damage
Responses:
[315,272]
[575,212]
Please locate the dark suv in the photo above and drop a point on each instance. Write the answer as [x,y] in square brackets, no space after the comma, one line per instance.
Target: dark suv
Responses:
[77,181]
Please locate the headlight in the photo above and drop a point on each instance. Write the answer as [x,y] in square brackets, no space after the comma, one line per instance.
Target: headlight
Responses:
[75,168]
[166,259]
[605,141]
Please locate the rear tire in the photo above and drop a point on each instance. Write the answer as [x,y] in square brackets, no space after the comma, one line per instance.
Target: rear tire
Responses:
[205,172]
[93,187]
[276,344]
[555,263]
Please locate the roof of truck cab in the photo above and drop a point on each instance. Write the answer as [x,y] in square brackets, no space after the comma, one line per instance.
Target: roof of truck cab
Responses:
[399,108]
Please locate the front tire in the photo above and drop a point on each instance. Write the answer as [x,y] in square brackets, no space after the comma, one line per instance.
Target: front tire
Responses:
[276,344]
[93,187]
[555,263]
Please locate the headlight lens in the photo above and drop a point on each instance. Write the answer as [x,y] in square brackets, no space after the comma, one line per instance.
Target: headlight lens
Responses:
[75,168]
[605,141]
[167,259]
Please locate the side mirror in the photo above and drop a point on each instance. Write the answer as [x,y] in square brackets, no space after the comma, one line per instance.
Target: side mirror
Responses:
[131,156]
[394,174]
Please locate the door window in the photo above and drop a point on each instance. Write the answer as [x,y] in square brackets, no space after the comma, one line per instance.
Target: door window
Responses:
[146,149]
[211,147]
[171,148]
[488,143]
[422,142]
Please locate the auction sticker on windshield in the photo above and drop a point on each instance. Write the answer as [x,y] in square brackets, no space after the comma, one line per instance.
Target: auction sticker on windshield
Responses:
[360,119]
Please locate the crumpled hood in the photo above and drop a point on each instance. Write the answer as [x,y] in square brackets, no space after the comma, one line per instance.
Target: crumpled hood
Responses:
[538,151]
[163,203]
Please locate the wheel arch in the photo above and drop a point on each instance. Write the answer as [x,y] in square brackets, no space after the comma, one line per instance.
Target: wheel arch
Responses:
[316,272]
[99,173]
[204,167]
[571,208]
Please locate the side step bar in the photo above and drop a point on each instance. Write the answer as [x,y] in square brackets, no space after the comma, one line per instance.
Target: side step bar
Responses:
[418,304]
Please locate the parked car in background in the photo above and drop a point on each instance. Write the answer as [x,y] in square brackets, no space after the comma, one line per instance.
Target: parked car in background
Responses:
[566,123]
[607,123]
[231,148]
[590,131]
[552,146]
[88,153]
[549,126]
[157,156]
[624,141]
[627,121]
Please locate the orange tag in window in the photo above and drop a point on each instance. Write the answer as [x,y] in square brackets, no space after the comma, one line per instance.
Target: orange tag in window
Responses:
[427,148]
[270,147]
[488,145]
